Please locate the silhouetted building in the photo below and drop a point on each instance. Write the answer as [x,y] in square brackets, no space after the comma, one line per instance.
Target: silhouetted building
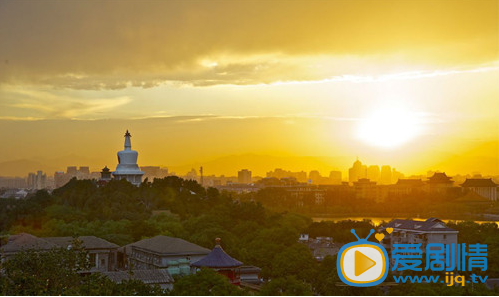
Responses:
[244,176]
[366,189]
[386,175]
[357,171]
[279,173]
[335,177]
[404,187]
[373,173]
[72,171]
[105,175]
[152,172]
[483,187]
[439,183]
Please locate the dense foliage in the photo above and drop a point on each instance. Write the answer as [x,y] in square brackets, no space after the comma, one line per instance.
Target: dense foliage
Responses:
[122,213]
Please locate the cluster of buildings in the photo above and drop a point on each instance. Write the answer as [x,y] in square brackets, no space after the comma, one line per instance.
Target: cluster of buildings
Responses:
[154,261]
[365,182]
[472,189]
[384,176]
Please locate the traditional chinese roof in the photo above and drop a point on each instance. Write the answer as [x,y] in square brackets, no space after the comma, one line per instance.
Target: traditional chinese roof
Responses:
[440,177]
[88,242]
[217,258]
[165,245]
[149,276]
[479,182]
[25,241]
[431,224]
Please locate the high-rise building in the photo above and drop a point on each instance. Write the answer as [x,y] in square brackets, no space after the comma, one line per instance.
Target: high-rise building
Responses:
[244,176]
[127,163]
[315,176]
[357,171]
[373,173]
[279,173]
[72,171]
[396,176]
[37,181]
[386,175]
[60,179]
[84,171]
[335,177]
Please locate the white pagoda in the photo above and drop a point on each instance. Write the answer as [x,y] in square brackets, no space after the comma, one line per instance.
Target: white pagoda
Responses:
[127,164]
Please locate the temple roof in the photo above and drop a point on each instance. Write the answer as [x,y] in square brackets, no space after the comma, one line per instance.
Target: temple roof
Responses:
[479,182]
[440,177]
[217,258]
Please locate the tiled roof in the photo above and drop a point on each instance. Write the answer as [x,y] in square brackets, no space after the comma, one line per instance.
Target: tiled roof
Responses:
[217,258]
[88,242]
[479,182]
[25,241]
[440,177]
[431,224]
[168,245]
[149,276]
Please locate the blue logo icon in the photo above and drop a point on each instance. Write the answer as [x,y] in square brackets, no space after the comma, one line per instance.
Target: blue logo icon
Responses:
[362,263]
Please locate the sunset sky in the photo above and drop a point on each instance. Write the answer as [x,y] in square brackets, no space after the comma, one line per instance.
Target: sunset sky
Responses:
[413,84]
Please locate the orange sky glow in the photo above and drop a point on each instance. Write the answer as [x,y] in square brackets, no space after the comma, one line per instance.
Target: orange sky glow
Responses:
[252,84]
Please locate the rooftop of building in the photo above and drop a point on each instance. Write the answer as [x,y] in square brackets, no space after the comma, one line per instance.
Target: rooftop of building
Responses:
[430,225]
[88,242]
[479,182]
[25,241]
[165,245]
[440,177]
[217,258]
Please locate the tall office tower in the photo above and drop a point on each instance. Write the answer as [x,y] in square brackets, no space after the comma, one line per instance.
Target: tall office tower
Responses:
[386,175]
[244,176]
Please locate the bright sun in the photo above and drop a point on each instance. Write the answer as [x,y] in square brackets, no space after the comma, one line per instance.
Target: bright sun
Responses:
[389,128]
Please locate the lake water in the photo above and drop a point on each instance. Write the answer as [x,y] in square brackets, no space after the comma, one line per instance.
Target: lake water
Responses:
[378,220]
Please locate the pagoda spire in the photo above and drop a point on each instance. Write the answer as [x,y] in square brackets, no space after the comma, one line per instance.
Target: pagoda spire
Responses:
[128,142]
